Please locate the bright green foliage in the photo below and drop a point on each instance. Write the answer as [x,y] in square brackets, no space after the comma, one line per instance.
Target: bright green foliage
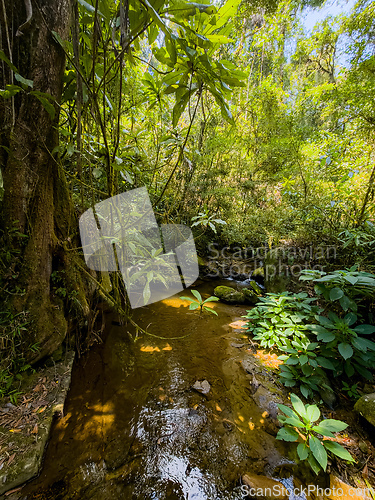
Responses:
[204,220]
[280,317]
[342,343]
[200,302]
[303,366]
[310,446]
[311,342]
[343,286]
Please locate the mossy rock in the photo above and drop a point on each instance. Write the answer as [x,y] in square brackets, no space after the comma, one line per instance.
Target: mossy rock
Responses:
[366,407]
[229,295]
[250,295]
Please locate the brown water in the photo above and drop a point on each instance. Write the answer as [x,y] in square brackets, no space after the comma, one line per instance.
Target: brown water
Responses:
[133,426]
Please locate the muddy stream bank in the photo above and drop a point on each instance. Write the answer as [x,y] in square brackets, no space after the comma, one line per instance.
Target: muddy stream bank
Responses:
[135,428]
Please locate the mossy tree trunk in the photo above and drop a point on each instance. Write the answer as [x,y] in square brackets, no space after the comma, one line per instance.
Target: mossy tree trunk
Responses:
[36,198]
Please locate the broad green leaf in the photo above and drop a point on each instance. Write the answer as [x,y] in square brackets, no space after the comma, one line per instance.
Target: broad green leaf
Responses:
[318,451]
[351,279]
[298,406]
[326,337]
[287,434]
[179,107]
[208,309]
[322,431]
[294,422]
[4,58]
[219,39]
[313,464]
[228,10]
[345,350]
[335,294]
[305,390]
[24,81]
[288,411]
[187,298]
[303,359]
[48,106]
[338,450]
[211,299]
[303,451]
[10,91]
[364,329]
[332,425]
[158,20]
[89,7]
[58,39]
[347,303]
[350,318]
[197,295]
[193,306]
[325,363]
[363,344]
[313,413]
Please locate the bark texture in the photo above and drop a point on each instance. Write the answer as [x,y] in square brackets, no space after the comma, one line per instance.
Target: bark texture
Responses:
[36,196]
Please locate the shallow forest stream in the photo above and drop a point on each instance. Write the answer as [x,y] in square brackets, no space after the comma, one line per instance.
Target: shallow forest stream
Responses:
[134,426]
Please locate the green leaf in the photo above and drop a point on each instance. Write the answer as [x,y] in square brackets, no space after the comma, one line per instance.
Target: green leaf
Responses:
[48,106]
[313,413]
[347,303]
[325,363]
[326,337]
[208,309]
[58,39]
[287,434]
[197,295]
[211,299]
[322,431]
[364,329]
[294,422]
[225,12]
[303,451]
[345,350]
[313,464]
[298,406]
[193,306]
[89,7]
[24,81]
[303,359]
[305,390]
[363,344]
[4,58]
[335,294]
[351,279]
[158,20]
[332,425]
[318,451]
[179,107]
[288,411]
[338,450]
[187,298]
[10,91]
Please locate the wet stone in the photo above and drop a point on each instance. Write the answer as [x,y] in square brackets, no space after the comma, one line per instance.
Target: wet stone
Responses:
[202,386]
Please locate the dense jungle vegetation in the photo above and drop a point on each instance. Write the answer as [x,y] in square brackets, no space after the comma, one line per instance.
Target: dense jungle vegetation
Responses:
[240,124]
